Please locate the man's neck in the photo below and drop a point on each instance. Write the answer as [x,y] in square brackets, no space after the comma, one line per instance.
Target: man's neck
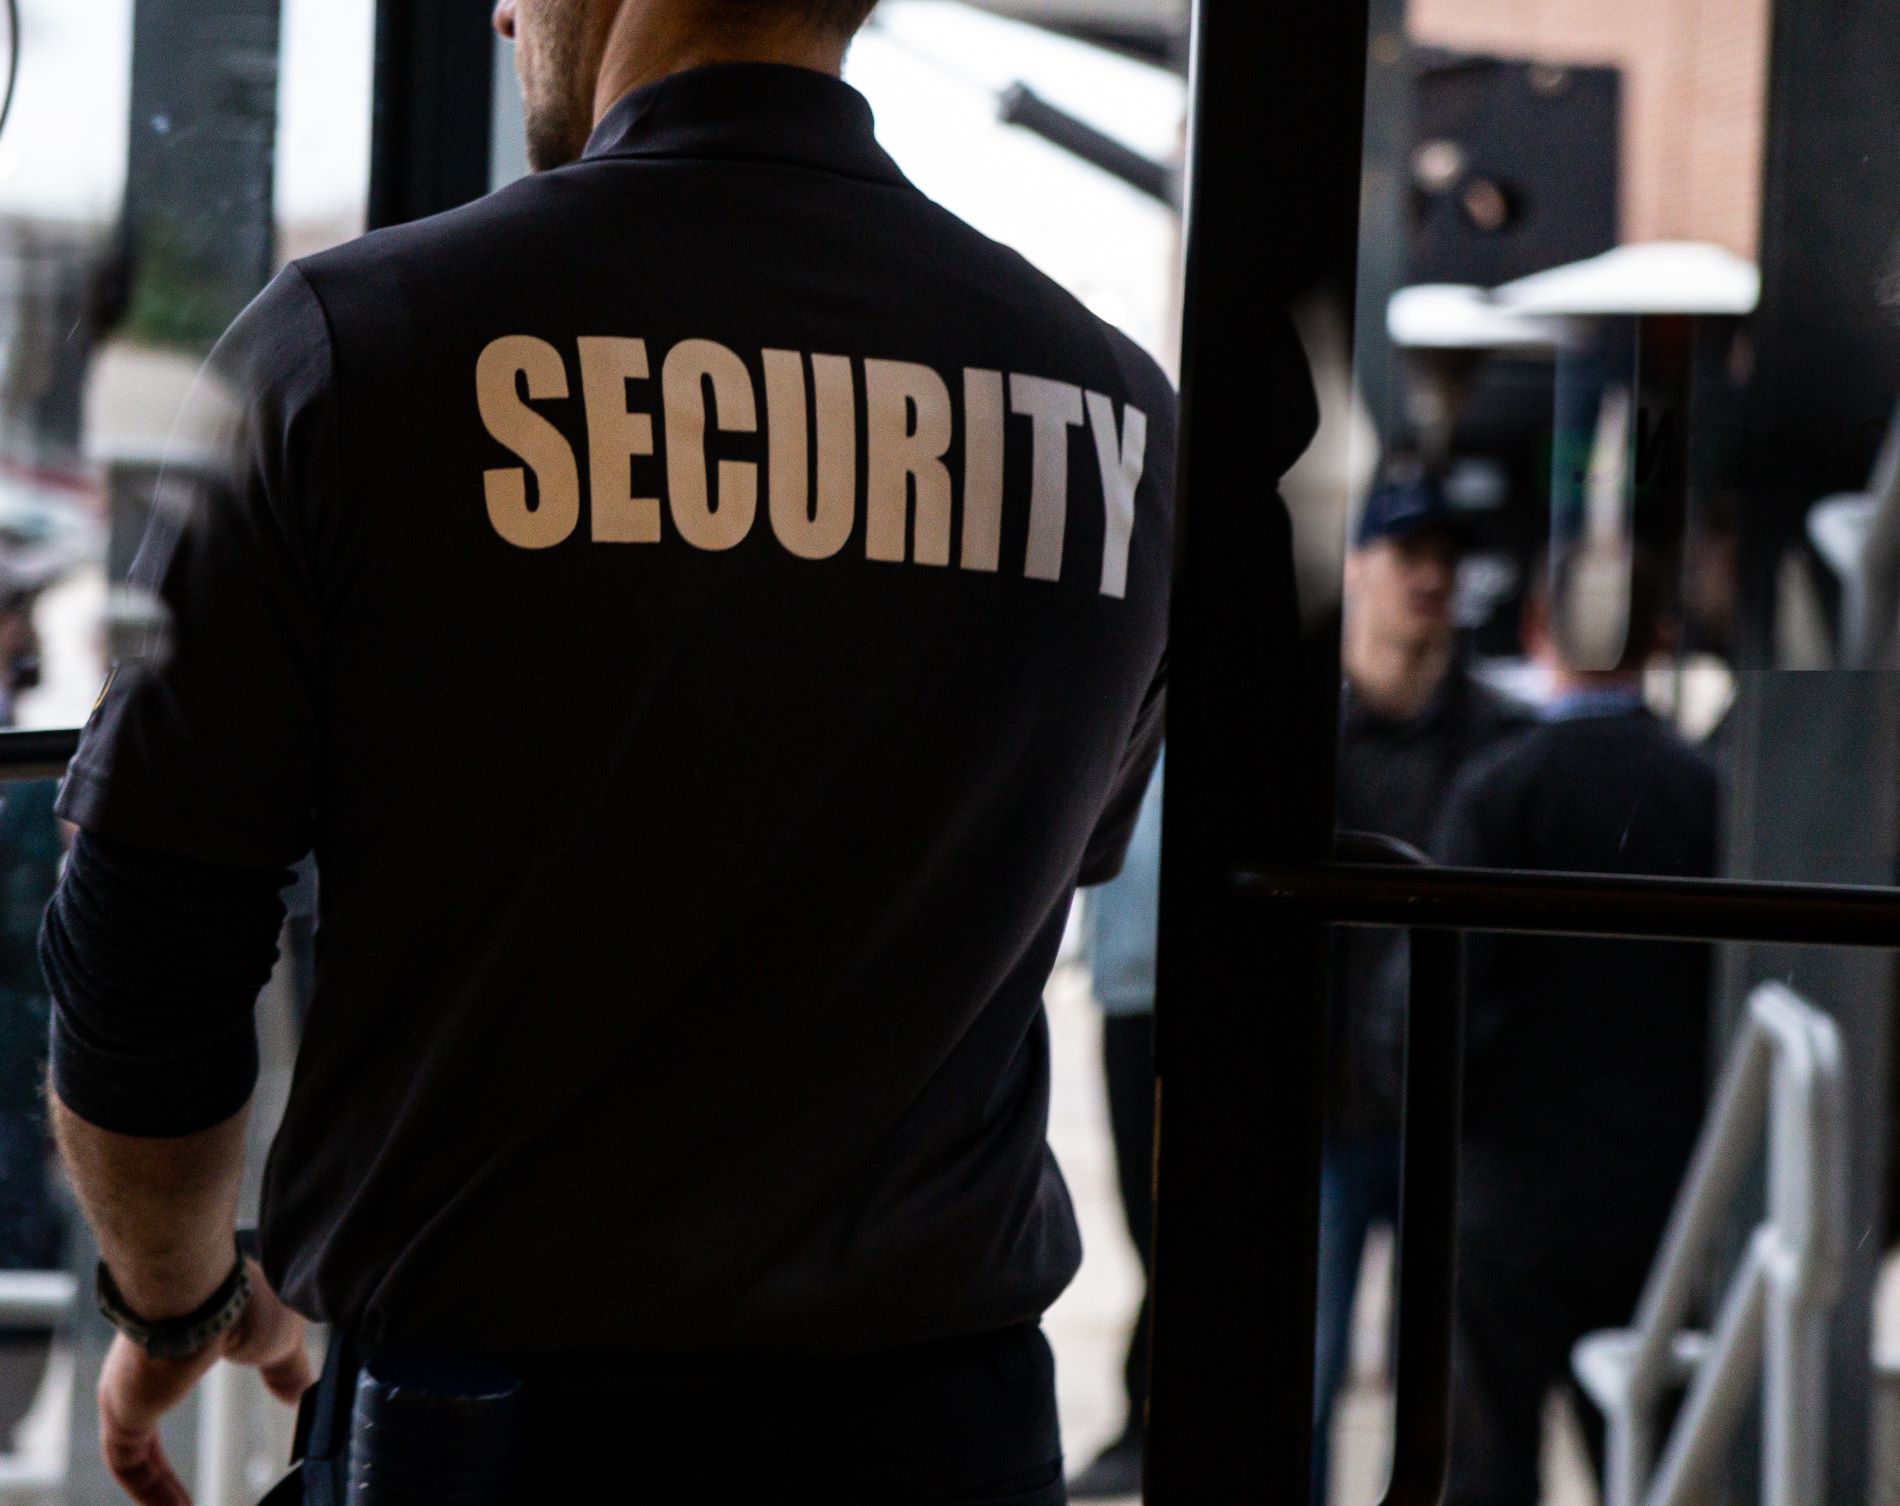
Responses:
[650,42]
[1569,682]
[1395,679]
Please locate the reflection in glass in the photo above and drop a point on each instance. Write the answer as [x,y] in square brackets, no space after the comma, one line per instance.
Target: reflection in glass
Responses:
[1628,324]
[173,167]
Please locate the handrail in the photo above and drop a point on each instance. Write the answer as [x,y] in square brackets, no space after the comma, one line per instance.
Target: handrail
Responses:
[1785,1069]
[35,1299]
[1568,904]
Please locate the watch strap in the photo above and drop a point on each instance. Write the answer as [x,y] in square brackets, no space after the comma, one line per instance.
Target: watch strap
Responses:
[183,1336]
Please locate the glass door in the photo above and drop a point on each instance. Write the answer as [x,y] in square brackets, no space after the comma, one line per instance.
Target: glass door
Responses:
[1595,614]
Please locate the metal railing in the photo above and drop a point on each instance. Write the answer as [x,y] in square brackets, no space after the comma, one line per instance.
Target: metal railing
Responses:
[1785,1070]
[34,1299]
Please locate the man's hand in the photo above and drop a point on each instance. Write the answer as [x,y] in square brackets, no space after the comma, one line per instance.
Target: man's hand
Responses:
[135,1390]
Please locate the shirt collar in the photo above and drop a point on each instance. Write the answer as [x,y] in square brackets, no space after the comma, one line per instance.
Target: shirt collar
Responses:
[762,111]
[1624,700]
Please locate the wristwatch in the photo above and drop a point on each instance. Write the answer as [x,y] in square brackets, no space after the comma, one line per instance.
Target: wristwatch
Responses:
[181,1337]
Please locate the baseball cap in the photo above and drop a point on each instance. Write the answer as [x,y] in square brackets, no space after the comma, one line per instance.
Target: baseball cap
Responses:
[1405,508]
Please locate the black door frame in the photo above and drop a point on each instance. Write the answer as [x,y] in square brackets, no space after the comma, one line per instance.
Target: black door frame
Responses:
[432,139]
[1272,218]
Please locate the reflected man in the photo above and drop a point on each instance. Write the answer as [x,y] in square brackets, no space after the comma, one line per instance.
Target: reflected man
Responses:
[1411,719]
[1587,1057]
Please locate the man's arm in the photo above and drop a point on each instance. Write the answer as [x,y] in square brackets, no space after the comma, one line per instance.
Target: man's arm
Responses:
[163,1211]
[154,964]
[194,789]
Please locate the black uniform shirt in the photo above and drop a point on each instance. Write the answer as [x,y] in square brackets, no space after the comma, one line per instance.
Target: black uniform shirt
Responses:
[1588,1056]
[705,605]
[1394,778]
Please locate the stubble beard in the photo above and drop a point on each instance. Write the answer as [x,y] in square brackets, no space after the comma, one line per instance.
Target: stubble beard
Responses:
[557,97]
[556,137]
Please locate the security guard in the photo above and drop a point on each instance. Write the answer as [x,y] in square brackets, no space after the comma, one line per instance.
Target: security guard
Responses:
[704,605]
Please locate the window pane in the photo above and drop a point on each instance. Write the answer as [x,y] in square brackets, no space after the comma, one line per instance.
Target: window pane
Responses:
[159,165]
[1618,596]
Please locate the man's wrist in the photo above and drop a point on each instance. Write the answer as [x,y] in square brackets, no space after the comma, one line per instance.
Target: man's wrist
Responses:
[159,1290]
[167,1331]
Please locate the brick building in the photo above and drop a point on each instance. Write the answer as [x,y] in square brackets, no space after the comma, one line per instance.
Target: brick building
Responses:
[1695,87]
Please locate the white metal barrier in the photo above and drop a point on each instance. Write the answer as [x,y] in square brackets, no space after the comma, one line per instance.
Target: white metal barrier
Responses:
[222,1450]
[35,1299]
[1786,1070]
[227,1472]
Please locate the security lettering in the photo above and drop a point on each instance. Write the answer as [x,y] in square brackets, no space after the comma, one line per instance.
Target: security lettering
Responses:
[809,413]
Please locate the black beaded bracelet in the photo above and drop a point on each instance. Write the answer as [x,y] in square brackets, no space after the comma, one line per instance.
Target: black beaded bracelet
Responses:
[181,1337]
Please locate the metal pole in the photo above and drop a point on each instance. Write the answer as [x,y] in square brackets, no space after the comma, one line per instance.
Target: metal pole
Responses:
[1786,1067]
[435,70]
[1272,211]
[221,1438]
[1722,1386]
[1807,1210]
[1577,904]
[1722,1159]
[1428,1221]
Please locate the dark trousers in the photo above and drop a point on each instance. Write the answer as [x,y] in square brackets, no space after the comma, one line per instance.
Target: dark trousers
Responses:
[1128,1063]
[1519,1318]
[964,1422]
[1358,1189]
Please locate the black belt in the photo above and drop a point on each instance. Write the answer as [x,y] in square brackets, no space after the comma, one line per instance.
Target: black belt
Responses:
[405,1428]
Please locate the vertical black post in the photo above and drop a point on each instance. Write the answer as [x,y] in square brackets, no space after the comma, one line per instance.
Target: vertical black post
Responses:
[1272,216]
[1827,365]
[435,70]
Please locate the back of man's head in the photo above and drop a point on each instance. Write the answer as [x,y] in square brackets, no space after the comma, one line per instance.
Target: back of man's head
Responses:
[1599,610]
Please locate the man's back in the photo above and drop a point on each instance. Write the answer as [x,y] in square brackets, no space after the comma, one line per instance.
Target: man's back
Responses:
[1588,1056]
[699,595]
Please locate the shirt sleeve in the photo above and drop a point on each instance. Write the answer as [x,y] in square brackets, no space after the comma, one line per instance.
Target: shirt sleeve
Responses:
[155,964]
[1108,845]
[205,744]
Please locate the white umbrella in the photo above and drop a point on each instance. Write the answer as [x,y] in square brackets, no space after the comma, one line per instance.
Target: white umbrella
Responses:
[1654,277]
[1453,316]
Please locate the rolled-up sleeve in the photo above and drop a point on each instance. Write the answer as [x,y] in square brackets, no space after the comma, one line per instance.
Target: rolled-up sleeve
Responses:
[155,963]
